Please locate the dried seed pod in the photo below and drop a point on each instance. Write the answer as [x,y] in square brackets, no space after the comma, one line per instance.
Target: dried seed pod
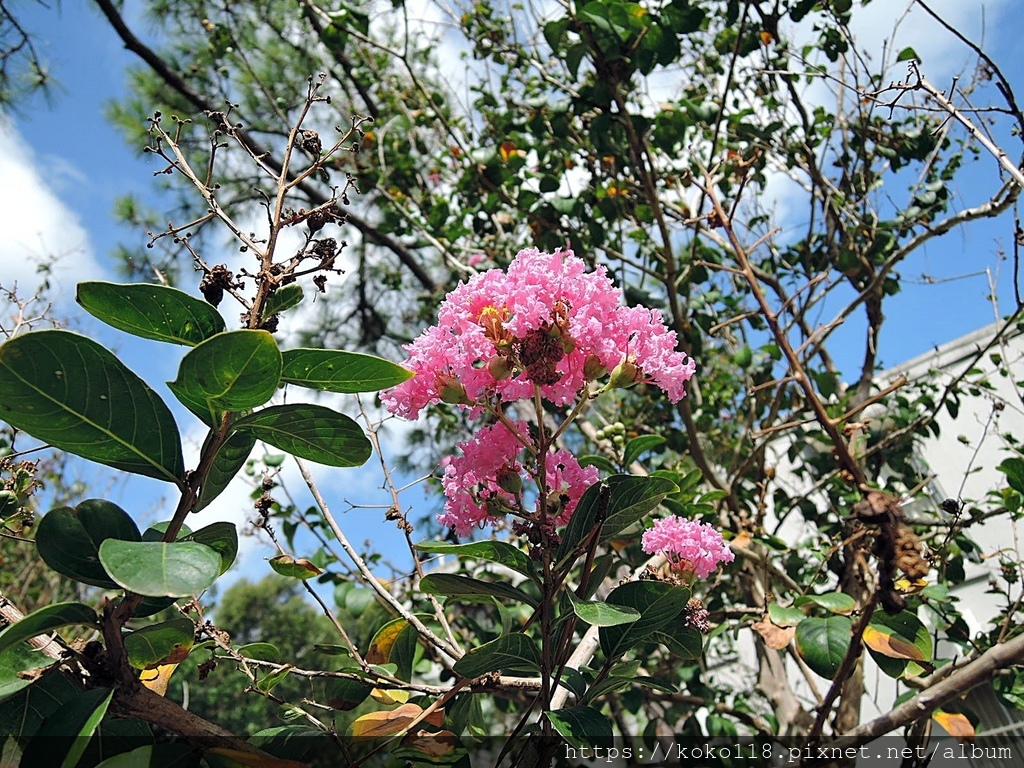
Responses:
[907,553]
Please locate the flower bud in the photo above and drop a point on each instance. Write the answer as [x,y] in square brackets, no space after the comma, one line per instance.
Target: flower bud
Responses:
[451,390]
[499,367]
[593,368]
[624,375]
[509,480]
[496,507]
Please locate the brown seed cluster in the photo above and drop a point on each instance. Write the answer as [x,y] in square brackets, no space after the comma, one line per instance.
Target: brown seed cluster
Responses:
[896,546]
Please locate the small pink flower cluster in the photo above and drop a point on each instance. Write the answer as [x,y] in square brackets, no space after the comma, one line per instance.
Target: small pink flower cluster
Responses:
[547,321]
[689,545]
[483,482]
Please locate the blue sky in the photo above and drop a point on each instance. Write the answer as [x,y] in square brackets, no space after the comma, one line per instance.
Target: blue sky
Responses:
[64,165]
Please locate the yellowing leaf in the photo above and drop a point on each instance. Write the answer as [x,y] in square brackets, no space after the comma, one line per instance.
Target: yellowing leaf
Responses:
[955,724]
[380,647]
[391,696]
[250,760]
[432,744]
[301,568]
[890,645]
[157,679]
[507,151]
[741,540]
[376,724]
[766,37]
[908,587]
[774,637]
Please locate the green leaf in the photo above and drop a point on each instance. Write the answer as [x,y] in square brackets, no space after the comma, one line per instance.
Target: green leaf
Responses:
[283,299]
[310,432]
[229,459]
[782,616]
[836,602]
[70,392]
[261,652]
[823,643]
[293,568]
[636,447]
[593,460]
[161,569]
[582,727]
[232,371]
[555,30]
[908,54]
[454,585]
[500,552]
[16,660]
[1013,468]
[151,311]
[510,654]
[630,498]
[344,693]
[168,642]
[222,538]
[602,614]
[65,734]
[68,539]
[658,604]
[682,640]
[332,370]
[45,620]
[268,682]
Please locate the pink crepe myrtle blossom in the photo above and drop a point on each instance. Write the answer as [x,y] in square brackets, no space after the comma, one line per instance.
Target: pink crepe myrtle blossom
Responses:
[689,545]
[483,483]
[547,322]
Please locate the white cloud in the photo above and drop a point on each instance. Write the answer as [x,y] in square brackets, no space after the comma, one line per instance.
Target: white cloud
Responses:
[35,225]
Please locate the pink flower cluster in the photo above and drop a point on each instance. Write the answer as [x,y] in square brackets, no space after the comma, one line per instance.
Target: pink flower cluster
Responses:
[479,484]
[547,321]
[689,545]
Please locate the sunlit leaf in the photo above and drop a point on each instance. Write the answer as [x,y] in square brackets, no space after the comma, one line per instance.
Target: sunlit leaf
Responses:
[601,614]
[462,586]
[160,569]
[151,311]
[232,371]
[158,678]
[333,370]
[500,552]
[70,392]
[310,432]
[510,654]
